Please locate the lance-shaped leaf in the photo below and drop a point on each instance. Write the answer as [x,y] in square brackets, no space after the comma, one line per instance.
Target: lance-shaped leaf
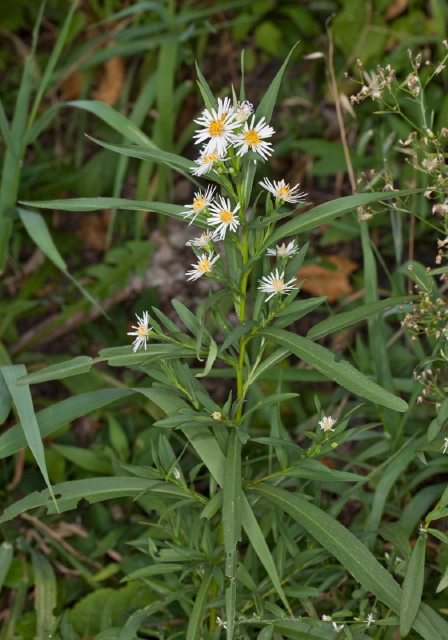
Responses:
[354,556]
[328,211]
[412,590]
[340,371]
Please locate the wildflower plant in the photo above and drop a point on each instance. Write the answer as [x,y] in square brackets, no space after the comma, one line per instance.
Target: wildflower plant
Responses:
[231,549]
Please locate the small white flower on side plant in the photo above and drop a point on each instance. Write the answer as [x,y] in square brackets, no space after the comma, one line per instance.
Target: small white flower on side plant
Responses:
[243,111]
[217,127]
[205,163]
[204,265]
[201,202]
[223,217]
[326,618]
[204,241]
[141,331]
[337,627]
[370,620]
[275,283]
[327,423]
[283,191]
[283,251]
[251,138]
[445,445]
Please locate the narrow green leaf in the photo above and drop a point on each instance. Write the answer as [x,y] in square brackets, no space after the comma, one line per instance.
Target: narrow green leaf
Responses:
[46,591]
[230,609]
[196,619]
[296,310]
[354,556]
[209,98]
[187,317]
[38,232]
[9,141]
[443,584]
[412,589]
[260,546]
[6,555]
[24,405]
[70,493]
[315,470]
[98,204]
[267,103]
[115,120]
[276,398]
[80,364]
[328,211]
[346,319]
[341,372]
[212,353]
[56,50]
[5,399]
[57,415]
[84,458]
[145,153]
[237,332]
[393,532]
[231,507]
[266,633]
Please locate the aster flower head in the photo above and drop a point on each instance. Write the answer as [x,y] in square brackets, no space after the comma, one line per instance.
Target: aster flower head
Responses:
[223,217]
[252,138]
[243,111]
[201,202]
[204,241]
[283,251]
[204,265]
[327,423]
[141,332]
[275,283]
[217,127]
[282,191]
[205,162]
[337,627]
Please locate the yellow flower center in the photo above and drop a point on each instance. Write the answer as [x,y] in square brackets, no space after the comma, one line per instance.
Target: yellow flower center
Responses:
[278,284]
[204,265]
[199,203]
[226,216]
[142,331]
[216,128]
[283,192]
[211,158]
[252,138]
[282,251]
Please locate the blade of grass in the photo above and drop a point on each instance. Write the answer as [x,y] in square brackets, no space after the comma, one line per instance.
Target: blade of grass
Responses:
[21,396]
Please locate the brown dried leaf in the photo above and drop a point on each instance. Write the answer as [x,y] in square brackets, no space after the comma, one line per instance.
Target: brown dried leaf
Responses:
[93,231]
[111,81]
[71,88]
[394,9]
[321,281]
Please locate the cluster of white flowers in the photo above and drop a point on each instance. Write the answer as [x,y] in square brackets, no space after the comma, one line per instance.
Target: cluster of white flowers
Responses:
[228,126]
[228,133]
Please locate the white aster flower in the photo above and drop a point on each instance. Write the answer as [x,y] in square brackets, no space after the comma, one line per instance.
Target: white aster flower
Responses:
[445,445]
[370,620]
[206,162]
[251,138]
[283,251]
[243,111]
[282,191]
[217,127]
[327,423]
[326,618]
[141,331]
[204,241]
[223,217]
[337,627]
[275,283]
[204,265]
[201,202]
